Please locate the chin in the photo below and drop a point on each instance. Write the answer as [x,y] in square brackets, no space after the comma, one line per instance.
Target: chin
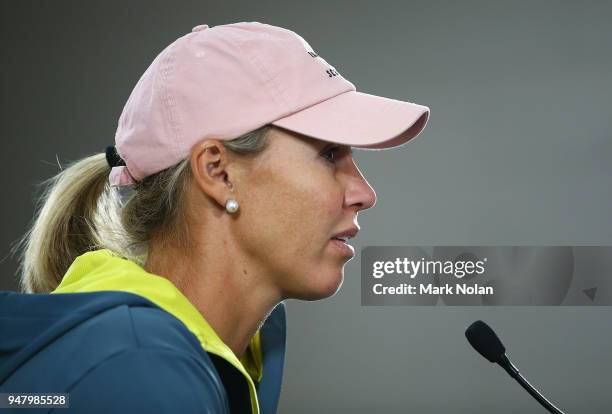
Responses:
[325,288]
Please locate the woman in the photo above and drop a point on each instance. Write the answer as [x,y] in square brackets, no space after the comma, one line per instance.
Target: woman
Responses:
[237,145]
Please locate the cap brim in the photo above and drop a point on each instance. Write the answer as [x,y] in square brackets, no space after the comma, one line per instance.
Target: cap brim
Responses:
[359,120]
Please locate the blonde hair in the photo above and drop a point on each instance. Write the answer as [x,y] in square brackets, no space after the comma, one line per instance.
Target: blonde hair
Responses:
[78,211]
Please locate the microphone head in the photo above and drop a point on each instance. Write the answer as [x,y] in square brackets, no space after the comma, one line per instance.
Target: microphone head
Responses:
[485,341]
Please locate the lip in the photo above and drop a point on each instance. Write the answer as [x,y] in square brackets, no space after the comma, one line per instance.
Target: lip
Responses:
[349,233]
[345,248]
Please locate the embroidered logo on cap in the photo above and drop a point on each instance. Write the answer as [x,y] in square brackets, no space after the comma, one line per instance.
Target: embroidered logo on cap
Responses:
[331,71]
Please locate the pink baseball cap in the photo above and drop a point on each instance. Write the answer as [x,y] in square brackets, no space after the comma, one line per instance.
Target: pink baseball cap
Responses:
[227,80]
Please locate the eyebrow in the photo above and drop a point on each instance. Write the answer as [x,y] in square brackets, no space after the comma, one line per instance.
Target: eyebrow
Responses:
[345,147]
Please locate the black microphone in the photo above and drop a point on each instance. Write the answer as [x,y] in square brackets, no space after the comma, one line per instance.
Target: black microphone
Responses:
[485,341]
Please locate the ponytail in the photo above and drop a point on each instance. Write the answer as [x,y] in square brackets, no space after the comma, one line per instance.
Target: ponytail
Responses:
[78,211]
[69,216]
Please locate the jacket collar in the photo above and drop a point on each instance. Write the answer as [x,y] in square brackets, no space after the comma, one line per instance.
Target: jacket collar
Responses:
[102,269]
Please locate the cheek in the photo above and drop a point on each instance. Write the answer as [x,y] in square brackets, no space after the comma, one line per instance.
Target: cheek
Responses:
[291,214]
[286,225]
[298,213]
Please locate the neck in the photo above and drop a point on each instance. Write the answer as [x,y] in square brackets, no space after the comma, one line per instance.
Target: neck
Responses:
[232,295]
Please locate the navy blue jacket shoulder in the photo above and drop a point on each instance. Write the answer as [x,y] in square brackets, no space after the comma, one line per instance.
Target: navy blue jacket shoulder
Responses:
[119,352]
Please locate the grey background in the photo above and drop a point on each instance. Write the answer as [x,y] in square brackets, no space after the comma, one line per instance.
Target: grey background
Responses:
[517,152]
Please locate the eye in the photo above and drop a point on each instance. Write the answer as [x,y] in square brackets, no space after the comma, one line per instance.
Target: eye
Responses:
[333,151]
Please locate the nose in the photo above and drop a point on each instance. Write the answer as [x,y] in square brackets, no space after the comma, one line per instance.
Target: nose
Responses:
[359,193]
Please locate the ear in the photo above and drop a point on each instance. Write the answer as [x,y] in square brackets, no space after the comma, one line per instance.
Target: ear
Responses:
[209,166]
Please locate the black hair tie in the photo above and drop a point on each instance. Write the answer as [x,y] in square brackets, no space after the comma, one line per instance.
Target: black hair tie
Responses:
[113,159]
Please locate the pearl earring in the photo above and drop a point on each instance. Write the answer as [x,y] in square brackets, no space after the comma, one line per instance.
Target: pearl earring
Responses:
[231,206]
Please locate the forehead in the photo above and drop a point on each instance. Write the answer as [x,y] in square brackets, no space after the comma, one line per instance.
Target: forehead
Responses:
[289,138]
